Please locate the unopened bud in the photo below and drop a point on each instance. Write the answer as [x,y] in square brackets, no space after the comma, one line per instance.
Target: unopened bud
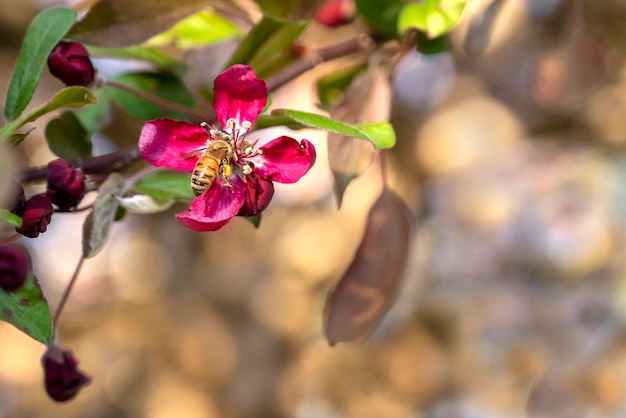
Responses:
[66,185]
[36,216]
[62,378]
[13,267]
[70,63]
[333,13]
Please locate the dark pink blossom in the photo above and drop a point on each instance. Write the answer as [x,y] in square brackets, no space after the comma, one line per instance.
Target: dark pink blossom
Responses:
[36,215]
[13,267]
[66,185]
[70,63]
[243,183]
[62,378]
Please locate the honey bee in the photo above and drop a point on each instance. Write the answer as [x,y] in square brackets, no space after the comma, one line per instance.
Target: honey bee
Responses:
[214,160]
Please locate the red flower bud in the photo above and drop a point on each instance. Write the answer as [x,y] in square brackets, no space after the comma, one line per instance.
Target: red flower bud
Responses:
[66,185]
[333,13]
[70,63]
[62,378]
[36,216]
[13,267]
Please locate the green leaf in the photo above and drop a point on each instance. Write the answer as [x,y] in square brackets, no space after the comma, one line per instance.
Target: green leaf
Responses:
[44,32]
[68,97]
[164,86]
[98,222]
[381,134]
[198,30]
[142,53]
[67,138]
[27,309]
[166,185]
[267,41]
[119,23]
[143,204]
[281,8]
[381,15]
[16,139]
[427,46]
[10,218]
[434,17]
[330,87]
[254,220]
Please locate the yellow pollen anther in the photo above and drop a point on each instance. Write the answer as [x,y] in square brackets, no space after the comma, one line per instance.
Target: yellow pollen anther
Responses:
[247,151]
[260,152]
[246,169]
[246,124]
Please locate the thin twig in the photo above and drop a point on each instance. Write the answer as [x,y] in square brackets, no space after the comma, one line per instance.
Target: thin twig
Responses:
[309,60]
[66,295]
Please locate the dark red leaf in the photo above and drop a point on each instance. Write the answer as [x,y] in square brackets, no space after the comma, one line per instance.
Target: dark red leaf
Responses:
[364,294]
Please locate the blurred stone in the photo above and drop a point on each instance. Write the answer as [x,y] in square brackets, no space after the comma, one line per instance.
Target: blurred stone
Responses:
[465,134]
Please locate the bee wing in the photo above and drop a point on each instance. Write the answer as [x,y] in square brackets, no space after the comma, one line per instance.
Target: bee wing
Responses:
[195,153]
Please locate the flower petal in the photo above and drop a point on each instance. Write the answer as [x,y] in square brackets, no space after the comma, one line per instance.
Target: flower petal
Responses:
[164,143]
[238,94]
[284,159]
[214,208]
[258,193]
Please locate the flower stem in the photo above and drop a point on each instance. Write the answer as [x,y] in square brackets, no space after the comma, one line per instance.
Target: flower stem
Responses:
[66,294]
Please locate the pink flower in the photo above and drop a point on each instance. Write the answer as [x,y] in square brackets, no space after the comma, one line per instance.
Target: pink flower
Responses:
[232,171]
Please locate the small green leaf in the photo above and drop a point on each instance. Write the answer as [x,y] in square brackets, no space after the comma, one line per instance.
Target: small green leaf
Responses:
[68,97]
[254,220]
[10,218]
[381,134]
[98,222]
[164,86]
[434,17]
[281,8]
[198,30]
[16,139]
[166,185]
[266,42]
[44,32]
[428,46]
[143,204]
[27,309]
[380,15]
[67,138]
[331,87]
[142,53]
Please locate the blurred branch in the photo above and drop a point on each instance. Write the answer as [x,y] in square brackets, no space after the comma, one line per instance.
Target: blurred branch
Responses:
[107,163]
[312,58]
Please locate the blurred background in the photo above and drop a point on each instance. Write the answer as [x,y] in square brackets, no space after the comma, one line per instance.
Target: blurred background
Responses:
[511,152]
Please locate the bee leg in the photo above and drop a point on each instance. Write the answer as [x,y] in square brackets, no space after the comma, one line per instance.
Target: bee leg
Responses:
[226,170]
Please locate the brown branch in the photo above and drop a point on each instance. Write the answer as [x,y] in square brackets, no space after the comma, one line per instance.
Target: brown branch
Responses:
[101,164]
[309,60]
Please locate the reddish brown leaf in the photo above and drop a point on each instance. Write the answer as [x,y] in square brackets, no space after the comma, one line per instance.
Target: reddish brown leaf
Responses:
[366,100]
[364,294]
[119,23]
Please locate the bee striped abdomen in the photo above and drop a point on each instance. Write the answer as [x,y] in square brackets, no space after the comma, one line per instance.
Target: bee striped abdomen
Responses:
[204,174]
